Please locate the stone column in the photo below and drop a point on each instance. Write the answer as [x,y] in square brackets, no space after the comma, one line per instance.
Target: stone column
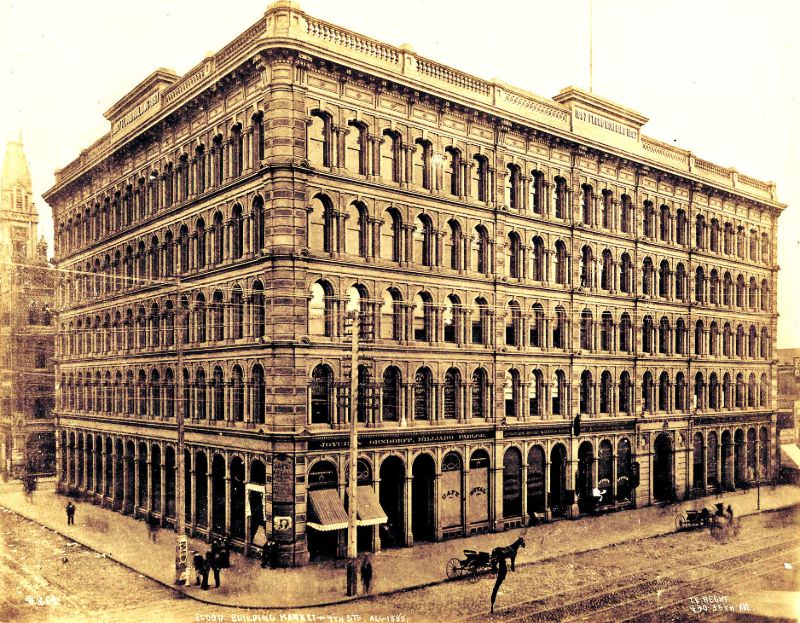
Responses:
[407,513]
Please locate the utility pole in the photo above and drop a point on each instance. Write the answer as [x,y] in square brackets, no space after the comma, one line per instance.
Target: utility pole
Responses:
[352,480]
[182,547]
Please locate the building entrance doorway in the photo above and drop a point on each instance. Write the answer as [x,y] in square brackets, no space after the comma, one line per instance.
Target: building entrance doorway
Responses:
[392,500]
[662,469]
[558,480]
[422,516]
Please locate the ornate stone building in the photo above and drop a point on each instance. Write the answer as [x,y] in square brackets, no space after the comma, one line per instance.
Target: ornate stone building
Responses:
[515,260]
[27,332]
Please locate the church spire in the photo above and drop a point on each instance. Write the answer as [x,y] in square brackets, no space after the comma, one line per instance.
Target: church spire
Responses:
[18,216]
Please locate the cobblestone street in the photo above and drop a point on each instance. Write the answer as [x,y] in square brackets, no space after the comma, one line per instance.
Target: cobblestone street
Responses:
[49,578]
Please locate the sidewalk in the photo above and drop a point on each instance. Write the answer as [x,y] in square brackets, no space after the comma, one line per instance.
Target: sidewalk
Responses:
[245,584]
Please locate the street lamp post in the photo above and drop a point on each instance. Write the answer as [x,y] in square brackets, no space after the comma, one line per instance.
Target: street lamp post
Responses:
[182,546]
[352,480]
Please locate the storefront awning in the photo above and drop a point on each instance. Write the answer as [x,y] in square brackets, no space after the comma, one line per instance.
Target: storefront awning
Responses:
[369,509]
[790,456]
[327,509]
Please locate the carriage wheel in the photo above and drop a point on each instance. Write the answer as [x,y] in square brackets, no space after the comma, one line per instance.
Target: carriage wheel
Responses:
[453,568]
[680,522]
[475,574]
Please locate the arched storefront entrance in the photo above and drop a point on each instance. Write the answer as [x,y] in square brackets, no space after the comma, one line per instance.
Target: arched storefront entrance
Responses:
[726,458]
[584,481]
[478,490]
[662,469]
[712,452]
[169,476]
[451,495]
[624,470]
[422,511]
[535,482]
[218,494]
[201,488]
[512,483]
[322,542]
[392,500]
[558,481]
[739,460]
[237,498]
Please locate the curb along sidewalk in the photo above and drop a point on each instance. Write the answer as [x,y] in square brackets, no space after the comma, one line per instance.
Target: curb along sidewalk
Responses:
[245,585]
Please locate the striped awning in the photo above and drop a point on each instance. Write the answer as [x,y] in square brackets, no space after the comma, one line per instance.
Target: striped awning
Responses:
[369,510]
[790,456]
[327,509]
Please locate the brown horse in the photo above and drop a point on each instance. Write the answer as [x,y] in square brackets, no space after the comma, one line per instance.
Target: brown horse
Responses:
[509,551]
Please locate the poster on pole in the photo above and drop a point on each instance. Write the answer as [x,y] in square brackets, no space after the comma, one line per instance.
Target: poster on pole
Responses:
[181,557]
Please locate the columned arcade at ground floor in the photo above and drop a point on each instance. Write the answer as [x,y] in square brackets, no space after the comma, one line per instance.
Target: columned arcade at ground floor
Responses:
[414,485]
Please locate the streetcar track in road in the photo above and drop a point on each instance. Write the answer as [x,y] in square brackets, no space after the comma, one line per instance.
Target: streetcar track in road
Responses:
[618,586]
[709,585]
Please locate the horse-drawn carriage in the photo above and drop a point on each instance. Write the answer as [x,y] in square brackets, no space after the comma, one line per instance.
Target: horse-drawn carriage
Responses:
[476,564]
[717,520]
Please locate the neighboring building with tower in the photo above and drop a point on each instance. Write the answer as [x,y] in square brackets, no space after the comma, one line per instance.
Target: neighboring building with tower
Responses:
[27,327]
[516,261]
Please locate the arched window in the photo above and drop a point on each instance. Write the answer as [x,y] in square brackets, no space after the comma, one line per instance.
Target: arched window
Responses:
[713,391]
[200,233]
[537,192]
[320,309]
[511,390]
[259,394]
[561,263]
[763,389]
[752,294]
[765,343]
[680,282]
[740,398]
[237,313]
[663,279]
[421,318]
[452,173]
[587,267]
[451,393]
[587,204]
[217,160]
[357,230]
[625,333]
[200,317]
[451,319]
[625,211]
[218,388]
[513,187]
[587,330]
[560,328]
[183,250]
[257,309]
[391,315]
[751,341]
[237,232]
[321,395]
[513,324]
[169,393]
[454,245]
[648,219]
[560,197]
[217,316]
[607,217]
[713,338]
[624,392]
[740,341]
[714,236]
[219,237]
[513,256]
[607,270]
[236,150]
[155,394]
[699,333]
[726,391]
[559,394]
[537,326]
[699,285]
[647,276]
[586,397]
[680,392]
[606,396]
[423,394]
[480,314]
[480,250]
[479,393]
[319,139]
[751,391]
[535,393]
[680,337]
[424,252]
[320,225]
[423,171]
[538,265]
[647,391]
[680,227]
[713,287]
[357,147]
[392,236]
[665,221]
[664,336]
[625,273]
[480,178]
[765,300]
[663,392]
[647,335]
[391,394]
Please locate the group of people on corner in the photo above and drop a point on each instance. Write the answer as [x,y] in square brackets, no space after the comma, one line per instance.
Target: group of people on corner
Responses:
[215,559]
[363,565]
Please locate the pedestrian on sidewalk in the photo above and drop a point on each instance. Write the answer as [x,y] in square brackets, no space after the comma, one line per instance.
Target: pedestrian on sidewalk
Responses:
[199,563]
[205,569]
[152,527]
[212,561]
[366,574]
[268,554]
[70,514]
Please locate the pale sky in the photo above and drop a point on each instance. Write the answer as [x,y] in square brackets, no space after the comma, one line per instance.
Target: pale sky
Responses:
[718,77]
